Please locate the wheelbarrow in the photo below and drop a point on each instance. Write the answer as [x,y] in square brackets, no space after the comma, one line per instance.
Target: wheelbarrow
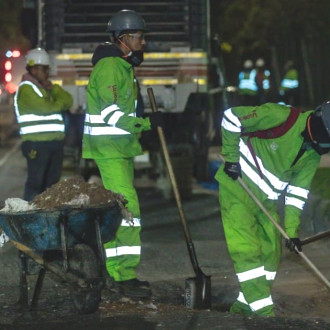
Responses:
[68,242]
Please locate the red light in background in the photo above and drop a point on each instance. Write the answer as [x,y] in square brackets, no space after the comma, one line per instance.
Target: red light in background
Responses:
[16,53]
[8,65]
[11,88]
[8,77]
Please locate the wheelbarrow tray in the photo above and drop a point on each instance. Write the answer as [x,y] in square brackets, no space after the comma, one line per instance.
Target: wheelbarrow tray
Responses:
[40,229]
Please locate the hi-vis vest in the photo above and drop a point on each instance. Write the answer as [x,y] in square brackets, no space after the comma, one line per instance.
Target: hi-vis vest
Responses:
[290,80]
[247,84]
[38,127]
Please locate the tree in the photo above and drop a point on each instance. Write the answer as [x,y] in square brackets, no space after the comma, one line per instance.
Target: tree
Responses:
[279,30]
[10,25]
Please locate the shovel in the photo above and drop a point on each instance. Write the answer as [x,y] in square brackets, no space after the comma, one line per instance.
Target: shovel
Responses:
[197,289]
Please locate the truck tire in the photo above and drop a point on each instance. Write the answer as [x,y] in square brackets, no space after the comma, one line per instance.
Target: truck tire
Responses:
[84,263]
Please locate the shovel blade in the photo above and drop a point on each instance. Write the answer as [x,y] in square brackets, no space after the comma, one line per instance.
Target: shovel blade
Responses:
[198,292]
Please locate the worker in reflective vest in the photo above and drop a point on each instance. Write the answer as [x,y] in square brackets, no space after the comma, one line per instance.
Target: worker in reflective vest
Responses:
[111,138]
[274,148]
[247,87]
[39,105]
[289,88]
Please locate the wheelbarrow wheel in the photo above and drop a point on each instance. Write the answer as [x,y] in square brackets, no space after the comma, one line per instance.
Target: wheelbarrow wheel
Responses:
[83,262]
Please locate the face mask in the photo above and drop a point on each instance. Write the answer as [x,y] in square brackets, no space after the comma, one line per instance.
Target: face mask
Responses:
[135,57]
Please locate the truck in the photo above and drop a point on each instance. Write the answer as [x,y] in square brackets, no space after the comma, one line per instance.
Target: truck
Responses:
[177,64]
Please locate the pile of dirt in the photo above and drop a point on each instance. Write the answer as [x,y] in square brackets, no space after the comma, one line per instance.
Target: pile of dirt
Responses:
[75,191]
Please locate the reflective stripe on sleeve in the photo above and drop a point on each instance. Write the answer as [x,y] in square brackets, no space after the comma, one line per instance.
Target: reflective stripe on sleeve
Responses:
[123,250]
[227,125]
[298,191]
[106,130]
[109,109]
[115,117]
[298,203]
[251,274]
[234,119]
[136,222]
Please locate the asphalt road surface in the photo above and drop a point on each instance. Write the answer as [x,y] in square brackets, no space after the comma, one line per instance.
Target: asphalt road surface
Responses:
[302,301]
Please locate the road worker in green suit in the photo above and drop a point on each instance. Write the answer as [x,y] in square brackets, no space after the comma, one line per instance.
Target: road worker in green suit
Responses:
[274,149]
[111,138]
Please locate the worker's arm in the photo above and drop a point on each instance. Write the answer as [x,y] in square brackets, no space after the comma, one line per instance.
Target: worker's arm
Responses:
[59,94]
[30,102]
[298,190]
[115,97]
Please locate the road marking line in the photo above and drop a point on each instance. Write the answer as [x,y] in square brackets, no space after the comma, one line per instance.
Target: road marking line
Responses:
[4,159]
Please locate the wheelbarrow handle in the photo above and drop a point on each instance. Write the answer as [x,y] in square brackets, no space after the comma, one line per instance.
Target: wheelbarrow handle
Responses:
[279,228]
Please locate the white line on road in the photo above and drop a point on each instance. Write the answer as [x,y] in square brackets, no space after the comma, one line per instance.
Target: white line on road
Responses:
[4,159]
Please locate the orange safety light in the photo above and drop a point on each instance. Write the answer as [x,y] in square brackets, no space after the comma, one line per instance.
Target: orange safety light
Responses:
[8,77]
[8,65]
[16,53]
[11,88]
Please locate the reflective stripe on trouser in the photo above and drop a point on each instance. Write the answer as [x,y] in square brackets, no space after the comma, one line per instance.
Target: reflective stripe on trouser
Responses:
[123,252]
[253,241]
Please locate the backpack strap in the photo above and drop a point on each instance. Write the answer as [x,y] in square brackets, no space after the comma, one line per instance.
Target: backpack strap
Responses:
[271,133]
[277,131]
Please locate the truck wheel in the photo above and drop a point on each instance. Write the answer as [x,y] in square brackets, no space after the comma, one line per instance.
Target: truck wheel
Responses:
[83,263]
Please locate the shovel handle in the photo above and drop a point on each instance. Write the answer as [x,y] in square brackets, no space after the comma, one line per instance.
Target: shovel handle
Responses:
[280,229]
[169,166]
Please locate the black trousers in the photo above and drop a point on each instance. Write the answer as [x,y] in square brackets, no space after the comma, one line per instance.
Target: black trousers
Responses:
[44,166]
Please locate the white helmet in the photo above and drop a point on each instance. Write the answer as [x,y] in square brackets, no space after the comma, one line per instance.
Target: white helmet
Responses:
[248,64]
[260,63]
[37,56]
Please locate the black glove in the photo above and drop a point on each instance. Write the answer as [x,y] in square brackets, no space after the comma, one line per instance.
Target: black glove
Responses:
[156,119]
[292,244]
[233,170]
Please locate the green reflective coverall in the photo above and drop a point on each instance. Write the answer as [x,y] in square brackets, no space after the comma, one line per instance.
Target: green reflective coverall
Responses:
[253,242]
[111,134]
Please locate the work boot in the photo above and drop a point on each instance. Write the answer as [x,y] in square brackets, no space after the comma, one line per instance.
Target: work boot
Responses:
[134,288]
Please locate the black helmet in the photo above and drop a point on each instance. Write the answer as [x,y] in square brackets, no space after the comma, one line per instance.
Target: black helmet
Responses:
[126,20]
[319,128]
[324,111]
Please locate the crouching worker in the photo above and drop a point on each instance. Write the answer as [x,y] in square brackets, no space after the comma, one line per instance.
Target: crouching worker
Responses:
[273,148]
[39,105]
[111,138]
